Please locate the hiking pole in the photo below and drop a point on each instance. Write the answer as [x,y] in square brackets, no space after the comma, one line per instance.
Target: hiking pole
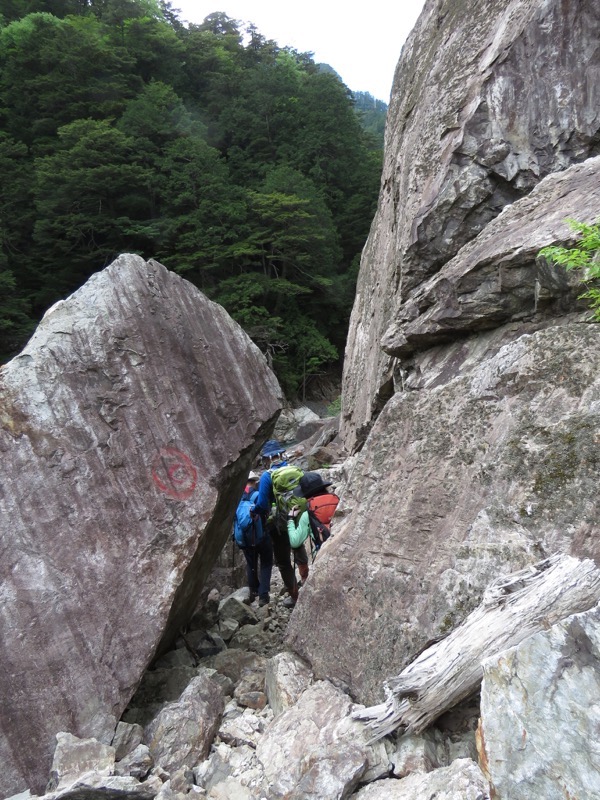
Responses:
[256,580]
[233,560]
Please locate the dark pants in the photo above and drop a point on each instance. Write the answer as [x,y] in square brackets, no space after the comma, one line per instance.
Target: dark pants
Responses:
[259,563]
[283,556]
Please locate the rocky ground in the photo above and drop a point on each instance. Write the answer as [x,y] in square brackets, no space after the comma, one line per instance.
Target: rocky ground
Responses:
[229,714]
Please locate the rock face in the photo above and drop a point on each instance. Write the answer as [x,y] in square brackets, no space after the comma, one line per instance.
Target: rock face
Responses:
[495,278]
[543,694]
[462,780]
[312,746]
[487,100]
[470,394]
[486,472]
[286,679]
[74,757]
[127,427]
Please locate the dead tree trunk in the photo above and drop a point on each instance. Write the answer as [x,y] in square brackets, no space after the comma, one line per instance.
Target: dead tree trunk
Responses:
[513,608]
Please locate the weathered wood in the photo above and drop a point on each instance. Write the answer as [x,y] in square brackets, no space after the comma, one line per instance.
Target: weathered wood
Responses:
[513,608]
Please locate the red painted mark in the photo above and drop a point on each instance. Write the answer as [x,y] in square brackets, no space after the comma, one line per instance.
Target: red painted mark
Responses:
[174,474]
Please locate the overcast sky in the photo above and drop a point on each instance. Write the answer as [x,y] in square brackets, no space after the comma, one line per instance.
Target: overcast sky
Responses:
[362,42]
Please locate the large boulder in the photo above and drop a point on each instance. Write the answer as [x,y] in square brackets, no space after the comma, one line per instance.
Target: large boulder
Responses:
[315,750]
[127,427]
[544,694]
[182,732]
[488,98]
[486,472]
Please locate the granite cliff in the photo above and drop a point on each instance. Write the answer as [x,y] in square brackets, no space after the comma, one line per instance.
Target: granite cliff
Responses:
[470,394]
[487,101]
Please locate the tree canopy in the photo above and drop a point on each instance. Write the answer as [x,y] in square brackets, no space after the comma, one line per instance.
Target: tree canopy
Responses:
[242,165]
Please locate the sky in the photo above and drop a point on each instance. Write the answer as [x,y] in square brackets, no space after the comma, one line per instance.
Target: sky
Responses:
[361,41]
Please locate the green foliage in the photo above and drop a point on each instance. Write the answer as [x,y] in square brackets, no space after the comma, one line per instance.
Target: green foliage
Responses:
[157,116]
[202,212]
[15,320]
[584,256]
[372,114]
[54,71]
[156,47]
[307,350]
[335,407]
[241,165]
[88,196]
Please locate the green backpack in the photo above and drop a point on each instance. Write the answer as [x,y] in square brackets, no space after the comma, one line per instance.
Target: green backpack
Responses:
[284,481]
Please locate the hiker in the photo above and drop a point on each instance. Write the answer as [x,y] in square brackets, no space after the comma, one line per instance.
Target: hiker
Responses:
[251,484]
[312,524]
[255,544]
[273,454]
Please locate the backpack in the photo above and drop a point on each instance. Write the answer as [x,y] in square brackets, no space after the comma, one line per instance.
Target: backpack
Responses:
[321,509]
[247,528]
[284,480]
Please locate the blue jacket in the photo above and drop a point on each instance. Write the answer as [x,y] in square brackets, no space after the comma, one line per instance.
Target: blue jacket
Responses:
[264,497]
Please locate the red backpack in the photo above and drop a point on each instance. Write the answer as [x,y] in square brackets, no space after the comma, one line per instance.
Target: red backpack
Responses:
[321,509]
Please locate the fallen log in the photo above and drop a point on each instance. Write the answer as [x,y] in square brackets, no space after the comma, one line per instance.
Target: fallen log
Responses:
[513,607]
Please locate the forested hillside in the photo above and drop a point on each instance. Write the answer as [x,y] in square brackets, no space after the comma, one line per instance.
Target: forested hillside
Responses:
[372,112]
[234,161]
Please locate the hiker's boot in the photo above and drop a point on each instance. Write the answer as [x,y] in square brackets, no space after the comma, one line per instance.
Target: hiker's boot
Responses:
[290,601]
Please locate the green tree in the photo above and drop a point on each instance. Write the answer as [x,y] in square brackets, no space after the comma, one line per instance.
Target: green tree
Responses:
[372,115]
[236,162]
[16,323]
[202,212]
[155,46]
[210,72]
[287,259]
[309,351]
[17,9]
[16,225]
[16,213]
[257,126]
[332,149]
[292,342]
[583,256]
[245,297]
[54,71]
[91,201]
[156,117]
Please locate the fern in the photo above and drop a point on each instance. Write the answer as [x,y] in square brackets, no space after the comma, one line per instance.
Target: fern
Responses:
[584,255]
